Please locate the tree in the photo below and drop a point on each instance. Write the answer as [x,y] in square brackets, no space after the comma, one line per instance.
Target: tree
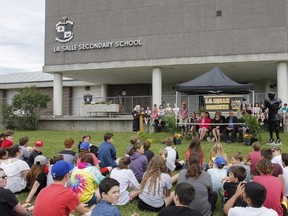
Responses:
[24,111]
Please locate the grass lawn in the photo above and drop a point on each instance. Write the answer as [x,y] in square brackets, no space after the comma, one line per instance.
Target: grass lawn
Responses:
[53,143]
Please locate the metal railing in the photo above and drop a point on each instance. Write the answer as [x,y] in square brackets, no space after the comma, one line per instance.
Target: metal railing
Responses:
[75,106]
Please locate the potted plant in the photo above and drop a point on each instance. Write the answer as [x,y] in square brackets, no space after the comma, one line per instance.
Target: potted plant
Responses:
[177,137]
[253,128]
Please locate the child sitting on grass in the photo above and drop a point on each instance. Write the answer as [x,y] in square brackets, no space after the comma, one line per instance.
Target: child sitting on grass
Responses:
[184,195]
[237,174]
[110,192]
[139,161]
[36,177]
[253,157]
[155,183]
[126,178]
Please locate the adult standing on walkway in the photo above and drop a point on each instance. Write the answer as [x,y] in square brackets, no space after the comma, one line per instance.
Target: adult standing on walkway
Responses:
[183,118]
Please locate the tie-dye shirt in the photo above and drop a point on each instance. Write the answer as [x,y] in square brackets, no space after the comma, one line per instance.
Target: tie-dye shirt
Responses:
[84,180]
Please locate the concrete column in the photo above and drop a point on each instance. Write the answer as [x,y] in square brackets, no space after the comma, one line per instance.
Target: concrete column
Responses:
[282,81]
[156,86]
[57,94]
[104,90]
[267,87]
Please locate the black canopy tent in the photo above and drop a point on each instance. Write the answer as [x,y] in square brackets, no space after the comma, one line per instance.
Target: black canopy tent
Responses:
[214,82]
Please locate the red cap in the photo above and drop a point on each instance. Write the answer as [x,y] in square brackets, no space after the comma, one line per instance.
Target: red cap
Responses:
[38,143]
[6,144]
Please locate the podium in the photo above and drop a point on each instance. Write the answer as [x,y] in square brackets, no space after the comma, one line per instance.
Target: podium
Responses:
[141,116]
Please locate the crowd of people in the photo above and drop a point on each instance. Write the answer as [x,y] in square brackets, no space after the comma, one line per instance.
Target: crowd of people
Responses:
[213,129]
[95,180]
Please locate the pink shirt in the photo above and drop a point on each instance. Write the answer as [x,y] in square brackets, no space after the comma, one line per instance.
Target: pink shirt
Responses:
[204,123]
[274,189]
[253,157]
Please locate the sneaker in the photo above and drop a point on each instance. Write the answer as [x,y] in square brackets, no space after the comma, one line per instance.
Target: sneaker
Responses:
[271,141]
[278,142]
[213,139]
[209,139]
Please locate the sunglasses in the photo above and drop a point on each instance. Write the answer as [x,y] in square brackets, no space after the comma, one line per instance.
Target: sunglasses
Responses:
[4,176]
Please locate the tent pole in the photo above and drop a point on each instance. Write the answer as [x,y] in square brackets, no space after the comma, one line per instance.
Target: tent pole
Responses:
[176,106]
[253,100]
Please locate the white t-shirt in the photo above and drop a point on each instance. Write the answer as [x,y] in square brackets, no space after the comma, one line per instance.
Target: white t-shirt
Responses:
[244,211]
[171,158]
[216,176]
[13,169]
[277,159]
[126,178]
[285,180]
[156,200]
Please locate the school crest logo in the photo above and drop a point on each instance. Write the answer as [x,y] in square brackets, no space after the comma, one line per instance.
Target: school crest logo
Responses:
[64,30]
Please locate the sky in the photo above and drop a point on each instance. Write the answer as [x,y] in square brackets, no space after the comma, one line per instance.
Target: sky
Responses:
[22,35]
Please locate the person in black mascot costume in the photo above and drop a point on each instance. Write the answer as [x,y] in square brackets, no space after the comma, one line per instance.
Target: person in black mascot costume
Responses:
[274,119]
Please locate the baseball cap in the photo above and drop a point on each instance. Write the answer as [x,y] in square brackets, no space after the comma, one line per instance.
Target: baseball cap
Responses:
[61,168]
[38,143]
[219,161]
[84,146]
[40,159]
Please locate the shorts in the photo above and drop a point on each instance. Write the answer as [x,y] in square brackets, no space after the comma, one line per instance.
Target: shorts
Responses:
[145,207]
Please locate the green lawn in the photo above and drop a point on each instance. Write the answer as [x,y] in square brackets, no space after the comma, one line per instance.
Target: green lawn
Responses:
[53,143]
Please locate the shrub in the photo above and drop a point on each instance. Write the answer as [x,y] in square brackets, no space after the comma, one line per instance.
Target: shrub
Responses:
[23,113]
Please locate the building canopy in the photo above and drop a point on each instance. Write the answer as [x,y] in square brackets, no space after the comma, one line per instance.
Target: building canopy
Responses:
[214,82]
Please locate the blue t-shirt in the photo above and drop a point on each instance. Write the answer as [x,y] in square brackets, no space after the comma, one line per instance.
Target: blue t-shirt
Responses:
[104,208]
[107,155]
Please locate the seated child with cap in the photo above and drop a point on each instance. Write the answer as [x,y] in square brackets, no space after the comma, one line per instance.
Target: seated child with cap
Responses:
[61,198]
[84,148]
[217,173]
[183,196]
[36,177]
[38,144]
[110,192]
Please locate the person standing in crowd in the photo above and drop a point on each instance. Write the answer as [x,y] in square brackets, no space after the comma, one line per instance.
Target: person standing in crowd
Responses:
[274,119]
[135,114]
[183,118]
